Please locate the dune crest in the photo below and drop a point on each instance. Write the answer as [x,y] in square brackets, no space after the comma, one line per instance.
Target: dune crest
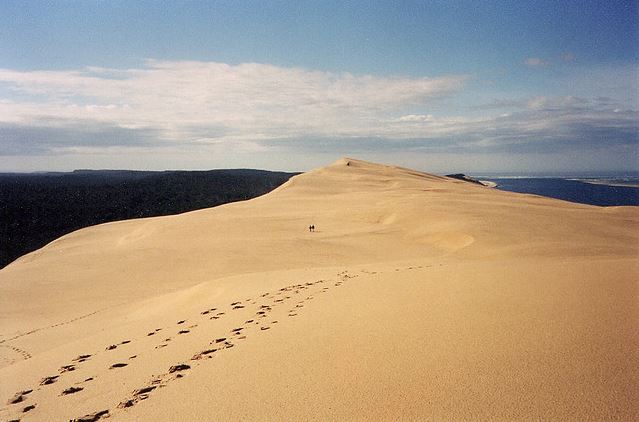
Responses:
[417,296]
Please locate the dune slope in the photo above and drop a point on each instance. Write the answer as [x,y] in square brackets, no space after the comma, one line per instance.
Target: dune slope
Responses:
[417,297]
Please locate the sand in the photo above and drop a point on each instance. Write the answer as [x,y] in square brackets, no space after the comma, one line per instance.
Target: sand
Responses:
[418,297]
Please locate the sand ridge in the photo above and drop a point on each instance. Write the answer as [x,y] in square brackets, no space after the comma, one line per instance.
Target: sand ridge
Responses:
[418,297]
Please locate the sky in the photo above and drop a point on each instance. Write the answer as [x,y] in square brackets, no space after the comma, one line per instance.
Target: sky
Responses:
[440,86]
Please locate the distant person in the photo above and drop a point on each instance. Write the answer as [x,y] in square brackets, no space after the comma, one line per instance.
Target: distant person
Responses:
[313,228]
[310,228]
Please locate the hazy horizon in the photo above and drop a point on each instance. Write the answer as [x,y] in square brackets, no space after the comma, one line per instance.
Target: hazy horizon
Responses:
[490,175]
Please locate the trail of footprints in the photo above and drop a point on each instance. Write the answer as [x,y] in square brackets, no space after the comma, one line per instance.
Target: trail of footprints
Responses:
[22,353]
[263,305]
[26,355]
[175,372]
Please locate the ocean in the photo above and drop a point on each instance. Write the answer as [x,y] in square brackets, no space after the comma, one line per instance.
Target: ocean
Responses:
[601,191]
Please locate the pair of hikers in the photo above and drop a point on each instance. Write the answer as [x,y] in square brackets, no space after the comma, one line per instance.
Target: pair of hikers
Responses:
[311,228]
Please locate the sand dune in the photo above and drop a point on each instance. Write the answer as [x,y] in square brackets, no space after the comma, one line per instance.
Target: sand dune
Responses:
[417,297]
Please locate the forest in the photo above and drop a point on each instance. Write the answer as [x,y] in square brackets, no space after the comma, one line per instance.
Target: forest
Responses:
[36,208]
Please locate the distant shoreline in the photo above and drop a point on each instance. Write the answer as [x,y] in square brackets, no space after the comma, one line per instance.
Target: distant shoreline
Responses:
[595,191]
[608,183]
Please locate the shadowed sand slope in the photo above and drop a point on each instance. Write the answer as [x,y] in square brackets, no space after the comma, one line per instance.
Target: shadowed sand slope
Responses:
[417,297]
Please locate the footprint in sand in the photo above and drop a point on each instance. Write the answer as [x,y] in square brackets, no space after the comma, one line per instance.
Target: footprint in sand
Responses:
[66,368]
[93,417]
[183,331]
[203,354]
[27,408]
[71,390]
[118,365]
[126,342]
[139,394]
[49,380]
[126,403]
[19,396]
[144,390]
[111,347]
[82,358]
[179,367]
[181,322]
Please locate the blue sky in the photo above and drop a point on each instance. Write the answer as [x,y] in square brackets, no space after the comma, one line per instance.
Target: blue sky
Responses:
[439,86]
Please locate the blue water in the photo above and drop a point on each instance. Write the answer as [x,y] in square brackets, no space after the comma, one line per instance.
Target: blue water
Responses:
[572,190]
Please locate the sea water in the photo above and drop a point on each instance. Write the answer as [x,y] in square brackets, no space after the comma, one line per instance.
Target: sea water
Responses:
[593,190]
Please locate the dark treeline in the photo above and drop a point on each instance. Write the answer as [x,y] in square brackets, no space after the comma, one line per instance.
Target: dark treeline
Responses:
[37,208]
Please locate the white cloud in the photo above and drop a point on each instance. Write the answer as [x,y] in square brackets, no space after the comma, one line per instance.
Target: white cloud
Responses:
[186,101]
[536,62]
[192,110]
[565,102]
[416,118]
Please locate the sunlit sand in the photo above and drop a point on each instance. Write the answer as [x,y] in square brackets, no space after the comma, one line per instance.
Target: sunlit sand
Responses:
[417,297]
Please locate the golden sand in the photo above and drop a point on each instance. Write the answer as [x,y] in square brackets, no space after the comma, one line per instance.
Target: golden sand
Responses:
[417,297]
